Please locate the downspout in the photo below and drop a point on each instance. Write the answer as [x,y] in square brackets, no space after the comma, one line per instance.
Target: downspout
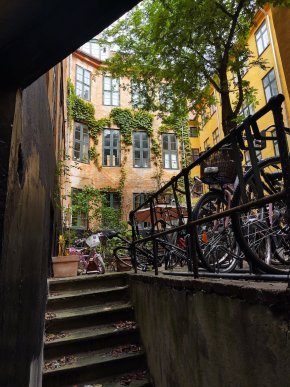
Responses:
[279,84]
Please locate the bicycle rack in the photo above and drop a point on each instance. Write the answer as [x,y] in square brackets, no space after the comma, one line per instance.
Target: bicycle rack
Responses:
[244,137]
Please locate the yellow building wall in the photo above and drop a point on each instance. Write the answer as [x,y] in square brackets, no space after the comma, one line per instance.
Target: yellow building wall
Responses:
[255,76]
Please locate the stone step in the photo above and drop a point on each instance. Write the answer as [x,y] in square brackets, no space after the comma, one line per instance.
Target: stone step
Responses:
[83,297]
[72,370]
[88,281]
[68,342]
[137,378]
[73,318]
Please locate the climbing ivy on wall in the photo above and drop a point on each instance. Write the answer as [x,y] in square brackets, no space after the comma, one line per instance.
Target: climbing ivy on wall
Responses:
[127,120]
[179,125]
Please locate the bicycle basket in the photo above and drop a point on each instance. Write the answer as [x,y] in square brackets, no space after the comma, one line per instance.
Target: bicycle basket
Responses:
[219,168]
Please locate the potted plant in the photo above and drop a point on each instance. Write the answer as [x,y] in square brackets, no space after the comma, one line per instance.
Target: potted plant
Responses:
[64,265]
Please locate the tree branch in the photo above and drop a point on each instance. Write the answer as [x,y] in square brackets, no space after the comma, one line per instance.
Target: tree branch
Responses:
[224,10]
[215,85]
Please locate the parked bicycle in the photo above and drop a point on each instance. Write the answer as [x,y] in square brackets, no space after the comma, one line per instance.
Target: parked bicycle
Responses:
[91,261]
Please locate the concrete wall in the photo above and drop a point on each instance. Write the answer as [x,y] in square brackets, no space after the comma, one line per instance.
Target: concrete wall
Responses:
[26,241]
[213,334]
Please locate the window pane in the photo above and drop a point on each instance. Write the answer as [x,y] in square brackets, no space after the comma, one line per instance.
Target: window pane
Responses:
[174,161]
[166,160]
[107,98]
[115,98]
[77,146]
[87,77]
[107,83]
[137,142]
[107,157]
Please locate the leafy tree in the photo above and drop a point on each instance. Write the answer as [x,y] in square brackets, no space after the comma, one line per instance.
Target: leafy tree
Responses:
[189,45]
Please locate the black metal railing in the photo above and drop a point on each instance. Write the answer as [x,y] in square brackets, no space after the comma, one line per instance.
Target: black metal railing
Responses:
[246,137]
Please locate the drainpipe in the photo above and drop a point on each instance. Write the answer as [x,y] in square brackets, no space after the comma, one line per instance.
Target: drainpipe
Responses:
[275,63]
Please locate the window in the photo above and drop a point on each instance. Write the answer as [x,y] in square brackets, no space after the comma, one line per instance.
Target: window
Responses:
[113,200]
[141,150]
[95,50]
[111,91]
[247,156]
[212,109]
[247,110]
[83,83]
[204,118]
[215,136]
[193,131]
[262,38]
[138,199]
[170,154]
[81,143]
[206,144]
[79,219]
[111,148]
[165,97]
[212,106]
[270,85]
[195,153]
[138,98]
[275,144]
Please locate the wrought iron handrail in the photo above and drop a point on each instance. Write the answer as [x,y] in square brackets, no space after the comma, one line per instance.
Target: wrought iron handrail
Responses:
[248,130]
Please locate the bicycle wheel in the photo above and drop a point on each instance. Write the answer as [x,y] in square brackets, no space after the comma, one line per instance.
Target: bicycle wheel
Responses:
[217,248]
[122,255]
[263,233]
[100,265]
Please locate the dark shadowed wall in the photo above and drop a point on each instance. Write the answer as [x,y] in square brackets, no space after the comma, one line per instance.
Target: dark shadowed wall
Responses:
[203,333]
[26,243]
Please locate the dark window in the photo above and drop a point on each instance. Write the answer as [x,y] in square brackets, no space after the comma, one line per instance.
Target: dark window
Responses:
[215,136]
[206,144]
[113,200]
[262,38]
[79,218]
[193,131]
[111,91]
[141,157]
[247,110]
[170,153]
[270,85]
[83,83]
[111,148]
[81,143]
[138,199]
[195,153]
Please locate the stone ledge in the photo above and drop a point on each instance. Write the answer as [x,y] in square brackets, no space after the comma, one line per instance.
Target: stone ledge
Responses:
[273,294]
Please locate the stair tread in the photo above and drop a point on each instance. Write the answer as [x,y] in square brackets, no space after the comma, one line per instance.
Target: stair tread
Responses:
[136,378]
[88,333]
[84,278]
[99,357]
[58,295]
[87,310]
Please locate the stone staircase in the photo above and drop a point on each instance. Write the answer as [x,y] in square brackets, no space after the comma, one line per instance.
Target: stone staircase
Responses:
[91,337]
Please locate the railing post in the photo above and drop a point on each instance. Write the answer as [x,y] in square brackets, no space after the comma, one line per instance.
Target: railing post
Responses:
[155,243]
[133,247]
[284,154]
[191,240]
